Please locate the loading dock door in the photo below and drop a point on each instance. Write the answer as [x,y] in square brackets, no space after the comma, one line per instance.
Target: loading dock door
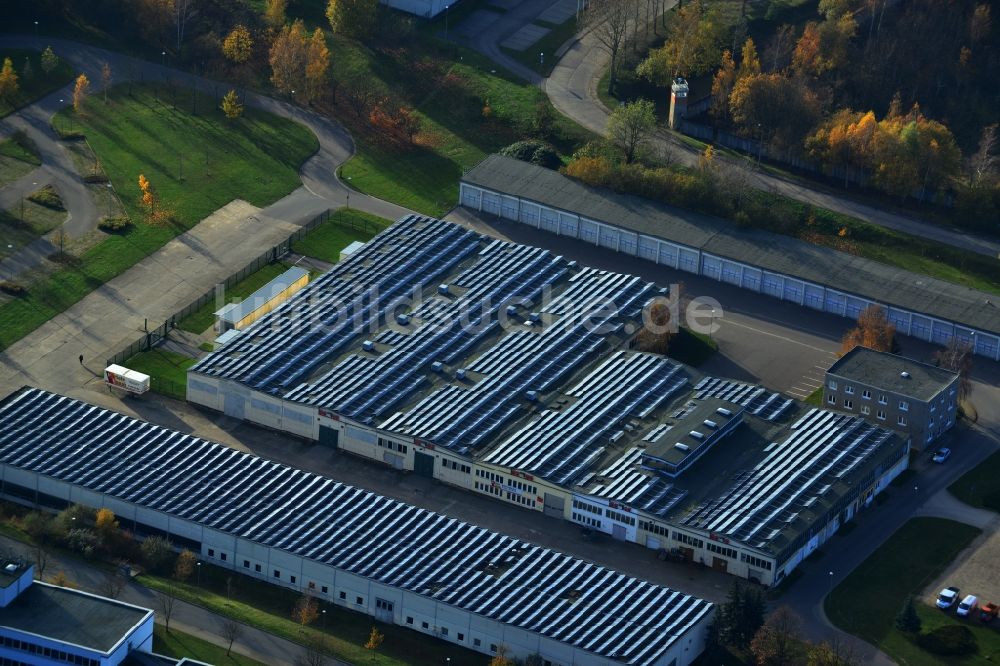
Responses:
[618,532]
[720,564]
[423,464]
[329,436]
[554,506]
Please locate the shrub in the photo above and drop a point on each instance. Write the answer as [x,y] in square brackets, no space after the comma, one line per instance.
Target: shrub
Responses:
[114,225]
[949,639]
[157,554]
[48,197]
[12,288]
[95,178]
[84,541]
[535,152]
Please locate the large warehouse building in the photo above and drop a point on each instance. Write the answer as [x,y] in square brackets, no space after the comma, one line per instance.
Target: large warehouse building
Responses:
[509,371]
[401,564]
[786,268]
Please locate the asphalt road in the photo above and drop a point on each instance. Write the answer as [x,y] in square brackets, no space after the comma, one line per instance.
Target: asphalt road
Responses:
[320,189]
[572,88]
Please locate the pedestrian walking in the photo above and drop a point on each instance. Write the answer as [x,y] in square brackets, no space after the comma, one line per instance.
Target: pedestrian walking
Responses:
[81,359]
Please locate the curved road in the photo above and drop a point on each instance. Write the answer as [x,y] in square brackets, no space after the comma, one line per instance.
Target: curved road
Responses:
[572,88]
[321,189]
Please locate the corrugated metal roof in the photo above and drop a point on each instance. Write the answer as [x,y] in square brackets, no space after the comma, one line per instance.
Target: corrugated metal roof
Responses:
[473,569]
[773,252]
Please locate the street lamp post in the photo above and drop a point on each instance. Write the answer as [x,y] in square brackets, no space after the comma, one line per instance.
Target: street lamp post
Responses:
[108,185]
[36,29]
[541,57]
[163,58]
[323,612]
[348,193]
[198,567]
[9,248]
[830,591]
[446,7]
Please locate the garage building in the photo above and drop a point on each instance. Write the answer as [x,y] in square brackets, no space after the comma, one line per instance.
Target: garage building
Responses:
[347,546]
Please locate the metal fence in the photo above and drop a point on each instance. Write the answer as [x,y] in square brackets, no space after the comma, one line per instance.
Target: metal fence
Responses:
[151,337]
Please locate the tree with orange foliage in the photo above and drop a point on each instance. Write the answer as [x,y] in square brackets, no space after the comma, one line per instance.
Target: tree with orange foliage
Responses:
[874,331]
[749,60]
[80,91]
[238,45]
[656,331]
[306,610]
[274,13]
[722,86]
[591,170]
[317,65]
[375,639]
[288,58]
[150,201]
[8,81]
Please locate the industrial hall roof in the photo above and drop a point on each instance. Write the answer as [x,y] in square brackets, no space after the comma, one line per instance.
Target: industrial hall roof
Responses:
[862,277]
[473,569]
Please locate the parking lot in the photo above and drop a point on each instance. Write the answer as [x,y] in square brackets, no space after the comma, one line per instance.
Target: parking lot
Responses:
[974,571]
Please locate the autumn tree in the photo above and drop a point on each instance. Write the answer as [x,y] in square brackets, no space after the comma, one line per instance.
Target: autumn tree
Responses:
[722,86]
[8,81]
[774,108]
[874,331]
[80,91]
[352,18]
[184,565]
[778,642]
[693,46]
[49,60]
[62,580]
[288,58]
[630,126]
[957,357]
[656,331]
[749,61]
[501,658]
[157,552]
[375,639]
[274,13]
[230,630]
[148,199]
[317,65]
[306,610]
[231,105]
[238,45]
[824,47]
[607,21]
[107,526]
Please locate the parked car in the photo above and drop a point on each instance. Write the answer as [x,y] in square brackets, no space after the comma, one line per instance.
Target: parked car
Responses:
[947,597]
[968,606]
[941,455]
[988,613]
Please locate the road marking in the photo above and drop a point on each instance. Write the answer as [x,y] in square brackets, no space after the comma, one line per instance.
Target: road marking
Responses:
[780,337]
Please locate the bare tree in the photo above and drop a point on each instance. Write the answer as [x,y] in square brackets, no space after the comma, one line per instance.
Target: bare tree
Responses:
[608,20]
[41,557]
[165,603]
[313,654]
[983,163]
[231,631]
[112,585]
[957,357]
[183,12]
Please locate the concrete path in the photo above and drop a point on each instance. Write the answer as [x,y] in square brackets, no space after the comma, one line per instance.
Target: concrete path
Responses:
[186,618]
[320,185]
[945,505]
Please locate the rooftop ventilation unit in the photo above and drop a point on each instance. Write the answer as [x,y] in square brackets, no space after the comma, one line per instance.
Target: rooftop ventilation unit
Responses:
[618,435]
[904,374]
[724,411]
[711,424]
[532,396]
[437,366]
[696,434]
[443,289]
[368,346]
[511,310]
[682,447]
[10,567]
[460,373]
[403,319]
[571,264]
[534,316]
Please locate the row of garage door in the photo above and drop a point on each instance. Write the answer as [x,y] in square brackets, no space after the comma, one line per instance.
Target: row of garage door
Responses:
[692,260]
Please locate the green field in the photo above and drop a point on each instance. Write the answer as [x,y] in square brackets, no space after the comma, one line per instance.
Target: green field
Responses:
[867,602]
[815,399]
[449,88]
[268,607]
[255,158]
[177,644]
[18,157]
[344,227]
[167,371]
[980,486]
[201,319]
[39,85]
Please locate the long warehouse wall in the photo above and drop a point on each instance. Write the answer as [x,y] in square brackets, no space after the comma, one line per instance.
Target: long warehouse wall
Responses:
[680,257]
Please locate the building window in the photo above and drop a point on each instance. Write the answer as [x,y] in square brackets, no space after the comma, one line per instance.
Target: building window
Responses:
[832,385]
[444,631]
[904,406]
[424,625]
[849,390]
[277,574]
[880,414]
[312,585]
[382,604]
[848,404]
[343,595]
[866,394]
[831,399]
[493,647]
[359,601]
[409,620]
[476,642]
[461,636]
[882,400]
[901,420]
[223,556]
[256,568]
[324,589]
[292,579]
[246,564]
[211,552]
[866,410]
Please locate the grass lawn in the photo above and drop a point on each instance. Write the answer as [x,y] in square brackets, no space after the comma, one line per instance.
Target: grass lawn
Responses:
[268,607]
[178,644]
[18,157]
[691,348]
[980,486]
[40,83]
[344,227]
[255,158]
[549,44]
[815,399]
[202,318]
[867,602]
[466,111]
[167,371]
[37,221]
